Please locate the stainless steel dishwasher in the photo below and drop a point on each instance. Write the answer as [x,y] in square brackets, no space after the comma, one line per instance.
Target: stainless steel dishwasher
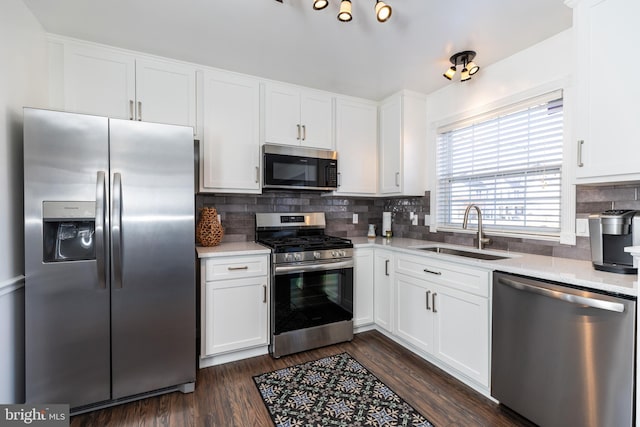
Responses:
[562,356]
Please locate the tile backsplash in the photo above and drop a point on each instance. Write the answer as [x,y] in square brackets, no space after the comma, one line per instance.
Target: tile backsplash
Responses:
[237,212]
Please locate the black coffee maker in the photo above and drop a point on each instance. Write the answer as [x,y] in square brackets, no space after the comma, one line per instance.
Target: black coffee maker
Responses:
[611,231]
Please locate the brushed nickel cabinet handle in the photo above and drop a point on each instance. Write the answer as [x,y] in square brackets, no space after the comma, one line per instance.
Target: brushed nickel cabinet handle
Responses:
[386,267]
[438,273]
[427,294]
[257,174]
[397,176]
[433,300]
[580,144]
[131,109]
[244,267]
[139,111]
[264,294]
[304,132]
[298,138]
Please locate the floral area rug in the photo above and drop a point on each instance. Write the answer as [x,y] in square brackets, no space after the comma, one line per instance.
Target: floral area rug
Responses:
[333,391]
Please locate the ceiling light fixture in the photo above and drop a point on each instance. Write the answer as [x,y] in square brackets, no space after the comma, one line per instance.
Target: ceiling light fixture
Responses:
[469,68]
[382,10]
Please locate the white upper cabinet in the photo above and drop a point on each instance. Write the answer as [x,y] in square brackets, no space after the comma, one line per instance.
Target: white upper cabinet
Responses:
[230,160]
[297,116]
[607,123]
[110,83]
[356,143]
[99,81]
[402,145]
[165,92]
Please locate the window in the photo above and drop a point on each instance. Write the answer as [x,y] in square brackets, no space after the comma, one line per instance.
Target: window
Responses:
[508,162]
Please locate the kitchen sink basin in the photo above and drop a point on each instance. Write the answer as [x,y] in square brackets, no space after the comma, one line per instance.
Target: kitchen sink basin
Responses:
[462,252]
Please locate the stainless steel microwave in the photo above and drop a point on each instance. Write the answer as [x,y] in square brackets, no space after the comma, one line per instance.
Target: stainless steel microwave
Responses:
[299,168]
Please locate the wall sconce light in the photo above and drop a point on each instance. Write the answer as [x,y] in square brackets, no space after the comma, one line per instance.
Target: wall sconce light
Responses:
[469,68]
[382,10]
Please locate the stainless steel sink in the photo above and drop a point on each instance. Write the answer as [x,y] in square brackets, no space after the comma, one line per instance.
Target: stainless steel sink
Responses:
[462,252]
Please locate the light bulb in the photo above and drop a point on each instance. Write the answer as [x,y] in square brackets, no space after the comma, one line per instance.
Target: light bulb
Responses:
[383,11]
[320,4]
[450,72]
[473,68]
[344,14]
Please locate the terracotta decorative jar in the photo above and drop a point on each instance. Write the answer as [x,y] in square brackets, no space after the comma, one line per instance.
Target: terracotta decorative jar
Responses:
[209,231]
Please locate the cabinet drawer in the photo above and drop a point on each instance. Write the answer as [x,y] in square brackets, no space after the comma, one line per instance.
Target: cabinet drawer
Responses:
[453,275]
[236,267]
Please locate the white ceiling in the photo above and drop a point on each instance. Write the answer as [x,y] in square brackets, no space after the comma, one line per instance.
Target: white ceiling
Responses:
[291,42]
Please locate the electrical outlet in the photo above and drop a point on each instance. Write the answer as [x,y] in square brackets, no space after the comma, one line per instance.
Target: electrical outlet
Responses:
[355,218]
[414,218]
[427,220]
[582,227]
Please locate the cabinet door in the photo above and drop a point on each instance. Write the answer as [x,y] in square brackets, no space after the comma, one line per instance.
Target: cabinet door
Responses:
[363,288]
[282,115]
[98,81]
[461,332]
[606,33]
[165,93]
[236,314]
[390,146]
[316,118]
[414,318]
[230,160]
[356,142]
[383,290]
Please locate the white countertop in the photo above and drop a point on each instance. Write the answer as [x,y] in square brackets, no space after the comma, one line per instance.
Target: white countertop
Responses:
[565,270]
[232,248]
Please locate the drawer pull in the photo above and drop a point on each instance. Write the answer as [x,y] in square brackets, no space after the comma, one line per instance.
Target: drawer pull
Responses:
[427,299]
[438,273]
[244,267]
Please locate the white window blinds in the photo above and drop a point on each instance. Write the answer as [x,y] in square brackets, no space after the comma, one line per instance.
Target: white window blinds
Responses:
[508,162]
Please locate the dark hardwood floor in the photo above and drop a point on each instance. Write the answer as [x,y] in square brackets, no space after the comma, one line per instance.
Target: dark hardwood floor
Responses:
[226,395]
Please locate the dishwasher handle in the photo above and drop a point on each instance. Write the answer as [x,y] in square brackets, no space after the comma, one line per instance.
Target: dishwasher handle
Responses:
[570,298]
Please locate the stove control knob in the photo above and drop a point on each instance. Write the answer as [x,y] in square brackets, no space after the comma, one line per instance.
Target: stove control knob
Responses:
[334,254]
[316,255]
[343,253]
[297,257]
[287,257]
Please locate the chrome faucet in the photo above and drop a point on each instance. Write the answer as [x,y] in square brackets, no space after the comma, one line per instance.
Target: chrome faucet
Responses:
[481,240]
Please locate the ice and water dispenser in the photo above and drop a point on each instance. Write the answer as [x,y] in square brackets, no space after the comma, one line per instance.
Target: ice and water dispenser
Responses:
[69,231]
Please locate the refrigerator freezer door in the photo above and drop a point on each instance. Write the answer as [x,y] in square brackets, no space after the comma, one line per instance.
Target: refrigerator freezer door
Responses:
[66,302]
[153,268]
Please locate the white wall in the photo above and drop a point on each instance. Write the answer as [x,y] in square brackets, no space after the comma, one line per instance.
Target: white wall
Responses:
[541,68]
[23,81]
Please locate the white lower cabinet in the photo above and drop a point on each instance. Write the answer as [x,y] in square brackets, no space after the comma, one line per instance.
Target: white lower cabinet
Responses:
[442,309]
[363,287]
[234,307]
[383,289]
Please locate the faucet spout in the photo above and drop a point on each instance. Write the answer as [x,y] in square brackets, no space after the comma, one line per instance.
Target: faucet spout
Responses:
[481,240]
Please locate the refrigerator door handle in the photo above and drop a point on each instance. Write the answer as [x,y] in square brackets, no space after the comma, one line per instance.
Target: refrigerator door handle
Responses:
[100,231]
[116,230]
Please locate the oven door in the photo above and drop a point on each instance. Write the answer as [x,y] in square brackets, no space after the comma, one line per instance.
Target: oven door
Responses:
[308,295]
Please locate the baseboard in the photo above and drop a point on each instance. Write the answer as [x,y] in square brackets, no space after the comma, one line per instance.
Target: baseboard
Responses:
[207,361]
[11,285]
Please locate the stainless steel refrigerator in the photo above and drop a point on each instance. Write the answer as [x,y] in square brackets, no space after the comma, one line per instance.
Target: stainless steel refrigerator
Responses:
[109,259]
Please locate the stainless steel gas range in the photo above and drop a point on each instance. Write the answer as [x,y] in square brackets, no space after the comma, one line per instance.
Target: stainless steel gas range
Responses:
[312,282]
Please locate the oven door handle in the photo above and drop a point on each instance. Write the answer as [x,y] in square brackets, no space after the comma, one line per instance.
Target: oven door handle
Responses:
[304,268]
